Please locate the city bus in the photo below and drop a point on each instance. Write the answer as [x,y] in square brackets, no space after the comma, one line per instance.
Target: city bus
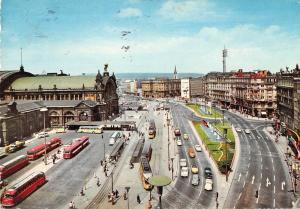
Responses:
[22,189]
[152,129]
[147,150]
[146,173]
[75,147]
[12,166]
[39,150]
[90,129]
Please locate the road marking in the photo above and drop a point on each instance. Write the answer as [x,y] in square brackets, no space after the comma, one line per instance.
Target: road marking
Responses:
[282,185]
[240,195]
[244,183]
[256,200]
[239,177]
[253,177]
[259,186]
[260,175]
[274,189]
[274,203]
[247,173]
[274,178]
[268,182]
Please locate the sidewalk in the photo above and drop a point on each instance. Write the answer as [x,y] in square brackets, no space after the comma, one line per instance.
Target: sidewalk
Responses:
[249,117]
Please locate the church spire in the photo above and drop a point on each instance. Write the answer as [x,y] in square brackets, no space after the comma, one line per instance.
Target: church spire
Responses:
[98,77]
[175,73]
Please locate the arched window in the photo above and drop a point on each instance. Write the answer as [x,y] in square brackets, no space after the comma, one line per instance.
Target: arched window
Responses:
[69,116]
[54,118]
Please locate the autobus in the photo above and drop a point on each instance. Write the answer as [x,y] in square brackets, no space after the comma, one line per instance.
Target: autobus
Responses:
[146,173]
[12,166]
[152,129]
[90,129]
[114,137]
[39,150]
[75,147]
[147,150]
[22,189]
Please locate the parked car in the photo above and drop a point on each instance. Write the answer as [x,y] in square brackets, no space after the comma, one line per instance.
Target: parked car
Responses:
[184,172]
[179,142]
[198,148]
[182,162]
[185,136]
[195,180]
[194,169]
[238,130]
[207,173]
[177,132]
[208,184]
[247,131]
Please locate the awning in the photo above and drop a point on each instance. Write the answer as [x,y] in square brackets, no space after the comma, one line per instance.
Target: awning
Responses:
[263,113]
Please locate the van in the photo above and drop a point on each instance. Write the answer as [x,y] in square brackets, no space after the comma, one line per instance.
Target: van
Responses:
[114,137]
[191,152]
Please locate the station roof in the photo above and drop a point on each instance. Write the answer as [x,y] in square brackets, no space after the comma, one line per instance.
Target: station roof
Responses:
[48,82]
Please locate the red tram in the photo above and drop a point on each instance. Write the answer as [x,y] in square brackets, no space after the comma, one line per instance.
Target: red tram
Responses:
[22,189]
[76,146]
[12,166]
[39,150]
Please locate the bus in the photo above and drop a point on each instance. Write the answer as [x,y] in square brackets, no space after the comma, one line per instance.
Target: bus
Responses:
[114,137]
[12,166]
[152,129]
[147,150]
[146,173]
[22,189]
[39,150]
[90,129]
[75,147]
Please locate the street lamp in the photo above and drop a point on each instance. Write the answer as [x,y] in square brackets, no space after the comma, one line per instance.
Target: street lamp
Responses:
[127,190]
[172,158]
[226,155]
[168,125]
[44,109]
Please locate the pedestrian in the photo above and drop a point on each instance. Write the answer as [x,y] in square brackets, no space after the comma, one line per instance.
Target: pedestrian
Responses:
[138,199]
[117,193]
[217,195]
[217,205]
[101,162]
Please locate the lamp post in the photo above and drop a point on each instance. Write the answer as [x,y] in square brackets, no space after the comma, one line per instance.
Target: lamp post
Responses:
[226,155]
[103,148]
[172,158]
[168,125]
[44,110]
[127,190]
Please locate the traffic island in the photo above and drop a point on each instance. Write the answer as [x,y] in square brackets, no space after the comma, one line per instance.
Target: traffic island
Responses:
[220,150]
[204,111]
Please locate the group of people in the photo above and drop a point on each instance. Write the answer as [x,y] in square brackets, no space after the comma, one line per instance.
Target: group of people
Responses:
[71,205]
[113,196]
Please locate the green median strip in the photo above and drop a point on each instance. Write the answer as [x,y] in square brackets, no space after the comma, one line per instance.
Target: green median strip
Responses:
[213,113]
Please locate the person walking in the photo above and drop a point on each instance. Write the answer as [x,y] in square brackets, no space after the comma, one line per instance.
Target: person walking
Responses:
[117,193]
[217,195]
[138,199]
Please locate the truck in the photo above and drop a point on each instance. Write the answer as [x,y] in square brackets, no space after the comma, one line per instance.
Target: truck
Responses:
[15,146]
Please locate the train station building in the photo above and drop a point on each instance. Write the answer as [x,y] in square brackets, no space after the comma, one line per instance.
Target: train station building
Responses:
[67,98]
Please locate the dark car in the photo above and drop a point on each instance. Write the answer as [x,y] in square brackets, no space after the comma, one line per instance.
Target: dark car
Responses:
[207,173]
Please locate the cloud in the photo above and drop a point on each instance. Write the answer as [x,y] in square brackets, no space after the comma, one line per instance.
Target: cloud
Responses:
[130,12]
[249,47]
[186,10]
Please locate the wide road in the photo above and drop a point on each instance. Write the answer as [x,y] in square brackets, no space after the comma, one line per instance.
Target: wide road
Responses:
[185,195]
[67,177]
[260,168]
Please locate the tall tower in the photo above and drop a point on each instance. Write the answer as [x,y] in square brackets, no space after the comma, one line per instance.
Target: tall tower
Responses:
[224,59]
[175,73]
[21,67]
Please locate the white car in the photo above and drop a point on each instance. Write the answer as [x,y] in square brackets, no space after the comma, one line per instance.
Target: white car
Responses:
[43,134]
[247,131]
[238,130]
[179,142]
[208,184]
[182,163]
[195,180]
[184,172]
[198,148]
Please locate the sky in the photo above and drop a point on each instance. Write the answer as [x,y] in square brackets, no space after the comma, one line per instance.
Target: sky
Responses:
[80,36]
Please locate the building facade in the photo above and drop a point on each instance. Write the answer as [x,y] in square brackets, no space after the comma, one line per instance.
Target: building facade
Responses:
[197,86]
[20,85]
[288,97]
[185,88]
[161,88]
